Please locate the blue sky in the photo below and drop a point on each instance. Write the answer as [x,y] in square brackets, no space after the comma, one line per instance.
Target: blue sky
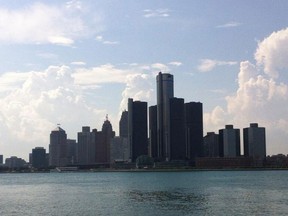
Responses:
[73,62]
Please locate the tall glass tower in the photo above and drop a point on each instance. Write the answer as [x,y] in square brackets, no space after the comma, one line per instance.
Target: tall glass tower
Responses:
[165,91]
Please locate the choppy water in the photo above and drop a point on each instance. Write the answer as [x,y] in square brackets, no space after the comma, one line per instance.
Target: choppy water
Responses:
[145,193]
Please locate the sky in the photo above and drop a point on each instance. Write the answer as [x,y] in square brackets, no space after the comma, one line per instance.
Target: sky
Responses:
[74,62]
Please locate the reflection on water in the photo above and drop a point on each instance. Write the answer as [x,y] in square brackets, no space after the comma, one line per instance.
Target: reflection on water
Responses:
[170,200]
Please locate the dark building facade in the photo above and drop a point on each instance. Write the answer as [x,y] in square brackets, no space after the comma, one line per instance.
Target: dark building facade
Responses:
[229,141]
[39,159]
[1,159]
[165,91]
[58,147]
[137,128]
[86,146]
[71,151]
[123,125]
[211,145]
[153,147]
[103,148]
[176,130]
[194,129]
[254,141]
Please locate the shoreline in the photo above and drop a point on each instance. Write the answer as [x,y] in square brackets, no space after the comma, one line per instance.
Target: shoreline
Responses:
[150,170]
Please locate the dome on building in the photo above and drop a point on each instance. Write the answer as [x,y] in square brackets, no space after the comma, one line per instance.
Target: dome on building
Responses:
[107,126]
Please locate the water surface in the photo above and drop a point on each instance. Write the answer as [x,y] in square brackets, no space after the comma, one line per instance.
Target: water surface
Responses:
[145,193]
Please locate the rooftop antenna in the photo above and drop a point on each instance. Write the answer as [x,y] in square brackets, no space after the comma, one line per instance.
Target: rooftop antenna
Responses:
[106,117]
[58,124]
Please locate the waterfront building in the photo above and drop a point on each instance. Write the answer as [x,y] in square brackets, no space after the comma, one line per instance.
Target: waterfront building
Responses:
[254,141]
[194,129]
[15,162]
[103,141]
[86,146]
[137,128]
[123,125]
[1,159]
[58,147]
[165,91]
[211,145]
[153,147]
[229,141]
[38,158]
[176,131]
[71,151]
[119,150]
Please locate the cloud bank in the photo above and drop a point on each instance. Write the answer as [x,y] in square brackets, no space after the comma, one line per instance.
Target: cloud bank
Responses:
[43,24]
[261,96]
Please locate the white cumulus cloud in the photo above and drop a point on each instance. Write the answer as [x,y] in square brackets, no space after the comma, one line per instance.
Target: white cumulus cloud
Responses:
[261,96]
[32,106]
[39,23]
[209,64]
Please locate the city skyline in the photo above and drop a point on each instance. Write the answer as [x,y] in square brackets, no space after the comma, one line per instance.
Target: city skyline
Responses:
[74,62]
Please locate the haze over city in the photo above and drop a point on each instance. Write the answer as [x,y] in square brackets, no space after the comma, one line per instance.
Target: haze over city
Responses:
[73,62]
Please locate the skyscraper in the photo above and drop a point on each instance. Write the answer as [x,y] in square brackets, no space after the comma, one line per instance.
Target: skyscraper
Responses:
[123,124]
[72,151]
[194,129]
[153,147]
[137,128]
[108,134]
[176,130]
[254,141]
[86,146]
[229,141]
[39,158]
[211,145]
[165,91]
[58,147]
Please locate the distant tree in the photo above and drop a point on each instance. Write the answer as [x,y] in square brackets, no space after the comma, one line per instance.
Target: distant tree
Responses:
[144,161]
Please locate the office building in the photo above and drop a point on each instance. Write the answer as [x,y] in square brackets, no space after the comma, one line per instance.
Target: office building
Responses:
[153,147]
[165,91]
[176,147]
[119,150]
[72,151]
[211,145]
[38,157]
[229,141]
[254,141]
[123,125]
[137,128]
[15,162]
[58,147]
[1,159]
[103,141]
[86,146]
[194,129]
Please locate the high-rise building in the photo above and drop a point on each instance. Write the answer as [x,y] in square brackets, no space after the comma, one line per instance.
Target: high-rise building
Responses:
[58,147]
[86,146]
[119,150]
[254,141]
[176,147]
[39,159]
[123,125]
[165,91]
[211,145]
[137,128]
[194,129]
[71,151]
[104,147]
[153,147]
[1,159]
[229,141]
